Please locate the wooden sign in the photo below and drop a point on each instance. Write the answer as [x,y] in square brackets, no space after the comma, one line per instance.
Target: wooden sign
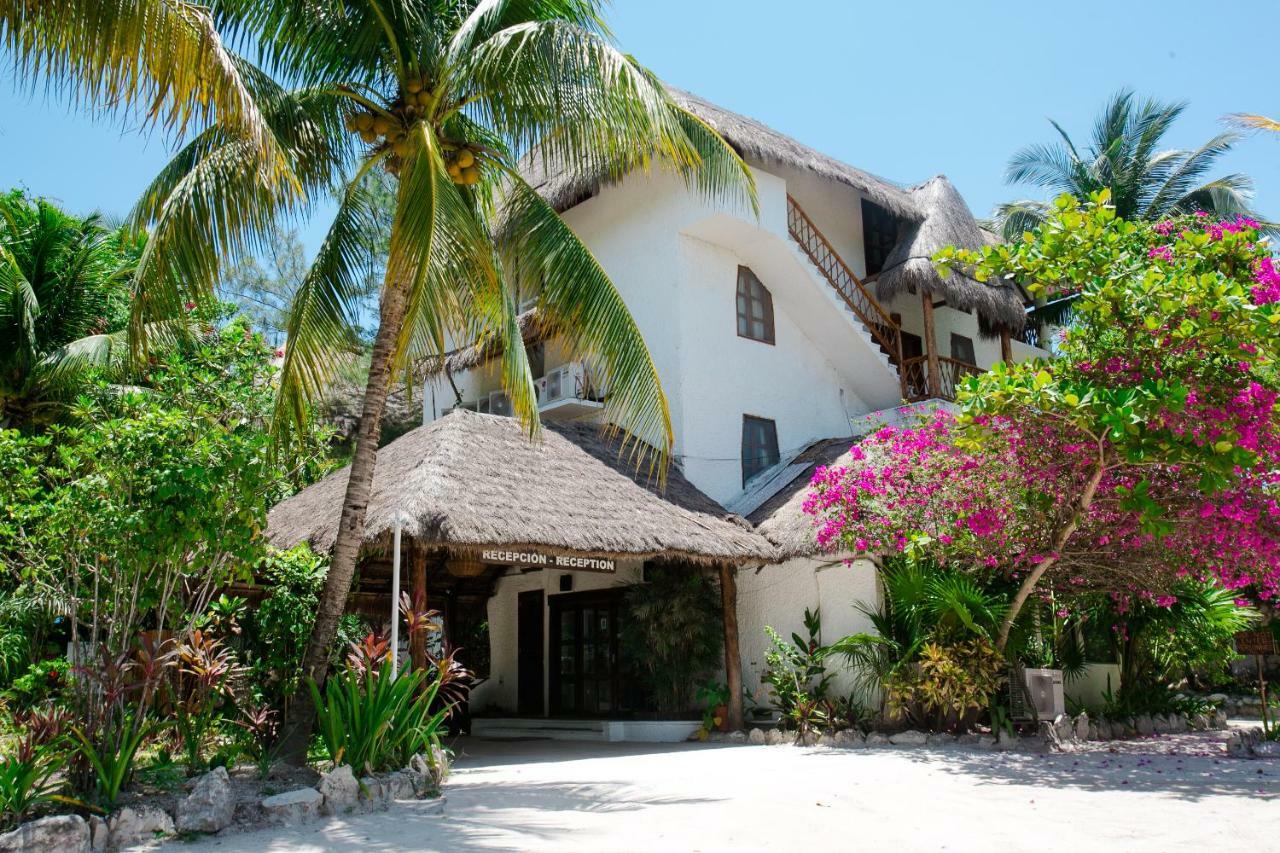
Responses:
[1255,643]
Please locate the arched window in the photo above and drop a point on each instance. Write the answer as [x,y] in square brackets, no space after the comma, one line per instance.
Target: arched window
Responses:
[755,308]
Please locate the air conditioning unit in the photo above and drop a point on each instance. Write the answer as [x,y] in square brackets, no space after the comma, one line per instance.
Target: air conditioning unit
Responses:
[566,382]
[1041,693]
[499,404]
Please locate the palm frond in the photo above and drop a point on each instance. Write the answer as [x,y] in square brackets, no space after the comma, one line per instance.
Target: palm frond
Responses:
[164,57]
[1250,121]
[579,298]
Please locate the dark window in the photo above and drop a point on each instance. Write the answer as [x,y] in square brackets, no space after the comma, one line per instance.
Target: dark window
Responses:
[759,446]
[755,308]
[879,235]
[962,349]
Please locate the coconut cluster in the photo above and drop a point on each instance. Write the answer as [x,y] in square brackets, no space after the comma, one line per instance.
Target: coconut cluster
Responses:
[389,129]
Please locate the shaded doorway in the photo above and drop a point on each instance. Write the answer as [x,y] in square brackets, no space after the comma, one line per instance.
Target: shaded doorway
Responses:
[530,656]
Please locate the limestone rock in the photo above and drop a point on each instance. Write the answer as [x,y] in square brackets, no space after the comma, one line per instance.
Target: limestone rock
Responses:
[372,797]
[1218,698]
[1267,749]
[1005,740]
[67,832]
[1093,731]
[210,805]
[98,834]
[756,736]
[967,739]
[877,739]
[1065,728]
[1178,723]
[131,826]
[940,739]
[1081,727]
[397,786]
[1145,725]
[292,807]
[1219,719]
[850,739]
[737,737]
[1105,730]
[1161,725]
[340,790]
[910,737]
[773,737]
[986,742]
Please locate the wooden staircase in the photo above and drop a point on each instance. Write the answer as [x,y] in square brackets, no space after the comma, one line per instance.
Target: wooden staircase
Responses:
[848,286]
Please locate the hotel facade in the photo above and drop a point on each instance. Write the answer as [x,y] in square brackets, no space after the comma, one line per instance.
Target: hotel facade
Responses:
[779,339]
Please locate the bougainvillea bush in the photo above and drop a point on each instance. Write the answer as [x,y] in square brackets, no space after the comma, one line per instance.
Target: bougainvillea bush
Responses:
[1143,454]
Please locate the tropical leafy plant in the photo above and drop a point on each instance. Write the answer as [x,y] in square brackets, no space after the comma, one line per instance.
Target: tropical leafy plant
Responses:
[375,721]
[946,685]
[1125,156]
[63,303]
[796,672]
[922,603]
[111,753]
[671,634]
[200,691]
[29,782]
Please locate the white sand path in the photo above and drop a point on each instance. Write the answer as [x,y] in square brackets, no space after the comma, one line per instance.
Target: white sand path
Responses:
[1160,794]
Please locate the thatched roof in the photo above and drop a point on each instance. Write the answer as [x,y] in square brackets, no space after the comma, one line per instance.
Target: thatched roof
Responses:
[782,519]
[754,142]
[947,222]
[470,480]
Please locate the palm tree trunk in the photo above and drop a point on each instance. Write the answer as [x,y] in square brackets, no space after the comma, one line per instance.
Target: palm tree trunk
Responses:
[346,549]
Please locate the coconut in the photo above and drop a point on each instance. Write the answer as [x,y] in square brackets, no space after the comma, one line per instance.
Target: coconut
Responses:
[423,98]
[470,177]
[413,86]
[364,121]
[465,158]
[368,136]
[455,172]
[402,147]
[381,125]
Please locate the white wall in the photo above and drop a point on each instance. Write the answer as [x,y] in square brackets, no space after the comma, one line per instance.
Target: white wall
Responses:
[498,693]
[777,596]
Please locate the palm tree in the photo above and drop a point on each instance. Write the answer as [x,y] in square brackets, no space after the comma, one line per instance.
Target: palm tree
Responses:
[63,299]
[446,96]
[1124,156]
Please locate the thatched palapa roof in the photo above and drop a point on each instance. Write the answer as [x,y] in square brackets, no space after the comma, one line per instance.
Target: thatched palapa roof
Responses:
[782,519]
[754,142]
[470,480]
[947,222]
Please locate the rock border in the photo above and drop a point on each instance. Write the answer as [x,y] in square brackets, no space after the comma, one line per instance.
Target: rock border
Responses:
[209,810]
[1063,734]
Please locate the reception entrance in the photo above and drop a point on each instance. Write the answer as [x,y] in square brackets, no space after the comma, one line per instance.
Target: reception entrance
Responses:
[586,678]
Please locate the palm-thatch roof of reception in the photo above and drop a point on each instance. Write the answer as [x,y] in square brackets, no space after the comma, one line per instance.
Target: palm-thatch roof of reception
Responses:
[782,519]
[948,222]
[752,140]
[469,481]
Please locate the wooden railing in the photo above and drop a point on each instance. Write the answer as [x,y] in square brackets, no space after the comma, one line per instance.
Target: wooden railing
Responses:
[837,273]
[951,372]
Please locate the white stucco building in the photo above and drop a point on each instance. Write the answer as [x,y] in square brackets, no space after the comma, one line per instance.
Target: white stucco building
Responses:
[778,338]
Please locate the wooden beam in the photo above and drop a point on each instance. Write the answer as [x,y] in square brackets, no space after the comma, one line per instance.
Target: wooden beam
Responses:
[418,595]
[1006,346]
[732,653]
[931,346]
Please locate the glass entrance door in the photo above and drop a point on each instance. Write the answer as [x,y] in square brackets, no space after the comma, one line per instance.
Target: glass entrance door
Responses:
[584,680]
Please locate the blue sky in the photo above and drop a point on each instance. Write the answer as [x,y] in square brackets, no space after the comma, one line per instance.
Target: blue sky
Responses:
[902,89]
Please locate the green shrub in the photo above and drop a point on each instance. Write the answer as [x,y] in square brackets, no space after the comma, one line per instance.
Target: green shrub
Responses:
[796,674]
[947,684]
[374,721]
[28,783]
[43,680]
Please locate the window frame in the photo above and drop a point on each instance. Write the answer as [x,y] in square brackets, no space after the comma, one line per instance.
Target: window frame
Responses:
[745,304]
[772,439]
[968,343]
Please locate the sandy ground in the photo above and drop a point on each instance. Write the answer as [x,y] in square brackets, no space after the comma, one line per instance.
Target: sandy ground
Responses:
[1158,794]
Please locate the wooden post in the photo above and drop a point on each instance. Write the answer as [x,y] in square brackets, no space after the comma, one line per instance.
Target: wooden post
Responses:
[931,345]
[418,595]
[732,654]
[1006,346]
